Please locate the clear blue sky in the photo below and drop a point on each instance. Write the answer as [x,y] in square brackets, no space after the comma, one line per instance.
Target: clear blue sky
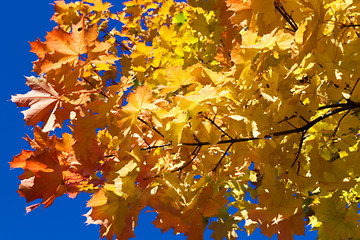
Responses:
[23,21]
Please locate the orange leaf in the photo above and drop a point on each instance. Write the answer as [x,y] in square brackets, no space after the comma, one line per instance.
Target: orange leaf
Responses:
[62,47]
[47,174]
[113,213]
[142,99]
[237,6]
[210,203]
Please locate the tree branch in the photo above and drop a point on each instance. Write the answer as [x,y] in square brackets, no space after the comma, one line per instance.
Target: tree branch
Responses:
[213,122]
[352,90]
[195,153]
[287,17]
[157,146]
[342,107]
[299,151]
[152,127]
[338,124]
[223,156]
[94,87]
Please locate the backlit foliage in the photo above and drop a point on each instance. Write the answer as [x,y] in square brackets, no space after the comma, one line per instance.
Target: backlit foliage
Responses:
[194,108]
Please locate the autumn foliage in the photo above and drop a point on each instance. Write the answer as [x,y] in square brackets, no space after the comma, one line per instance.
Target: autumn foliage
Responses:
[195,108]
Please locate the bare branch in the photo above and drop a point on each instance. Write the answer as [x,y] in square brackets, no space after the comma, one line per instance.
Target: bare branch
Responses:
[117,42]
[304,119]
[287,118]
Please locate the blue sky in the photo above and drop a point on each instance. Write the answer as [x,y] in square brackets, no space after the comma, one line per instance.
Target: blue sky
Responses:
[24,21]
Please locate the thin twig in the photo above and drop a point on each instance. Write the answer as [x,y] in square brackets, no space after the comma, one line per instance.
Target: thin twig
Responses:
[304,119]
[152,127]
[352,90]
[195,153]
[287,17]
[342,108]
[117,42]
[353,26]
[338,124]
[287,118]
[213,122]
[300,147]
[92,85]
[349,25]
[287,121]
[223,156]
[157,146]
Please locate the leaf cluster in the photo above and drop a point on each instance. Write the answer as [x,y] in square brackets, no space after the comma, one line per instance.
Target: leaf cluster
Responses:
[190,108]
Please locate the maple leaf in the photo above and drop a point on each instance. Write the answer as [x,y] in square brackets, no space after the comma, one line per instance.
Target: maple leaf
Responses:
[285,228]
[138,101]
[112,213]
[99,6]
[168,217]
[209,203]
[62,47]
[86,146]
[45,105]
[177,78]
[141,99]
[66,14]
[224,228]
[46,173]
[237,6]
[212,102]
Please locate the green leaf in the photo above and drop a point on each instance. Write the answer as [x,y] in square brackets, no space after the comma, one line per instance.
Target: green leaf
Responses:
[180,18]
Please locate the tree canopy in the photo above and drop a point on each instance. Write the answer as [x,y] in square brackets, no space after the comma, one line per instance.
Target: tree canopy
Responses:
[193,108]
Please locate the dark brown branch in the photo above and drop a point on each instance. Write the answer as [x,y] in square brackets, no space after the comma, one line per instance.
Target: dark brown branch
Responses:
[194,153]
[338,124]
[235,140]
[117,42]
[300,147]
[196,139]
[157,146]
[213,123]
[352,90]
[152,127]
[353,26]
[342,108]
[334,105]
[349,25]
[280,8]
[223,156]
[316,120]
[304,119]
[288,118]
[94,87]
[287,121]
